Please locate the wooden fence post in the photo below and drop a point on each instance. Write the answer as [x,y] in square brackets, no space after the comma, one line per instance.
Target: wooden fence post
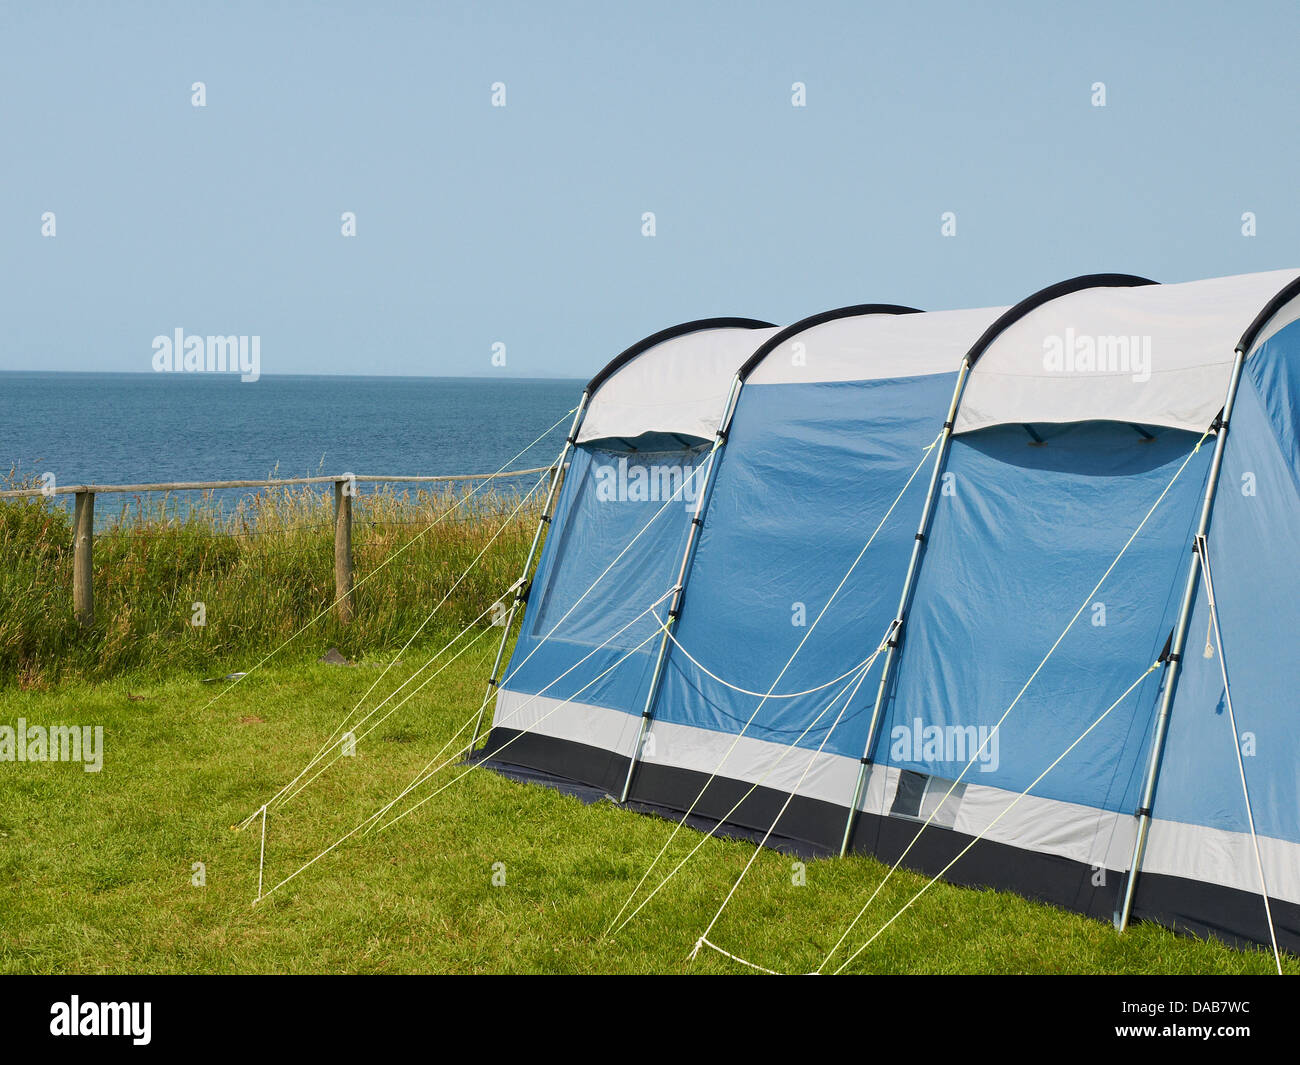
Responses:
[83,563]
[343,548]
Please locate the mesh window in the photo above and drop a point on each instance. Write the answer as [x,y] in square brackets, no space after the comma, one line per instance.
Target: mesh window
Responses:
[919,796]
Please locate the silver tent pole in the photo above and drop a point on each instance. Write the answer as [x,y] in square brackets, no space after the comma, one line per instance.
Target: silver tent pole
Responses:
[896,629]
[522,585]
[674,606]
[1175,655]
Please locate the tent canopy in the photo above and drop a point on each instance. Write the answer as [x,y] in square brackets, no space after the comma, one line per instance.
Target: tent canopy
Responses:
[1143,353]
[860,629]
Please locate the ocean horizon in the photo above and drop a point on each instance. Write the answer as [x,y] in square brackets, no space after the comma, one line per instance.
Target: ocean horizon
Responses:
[87,427]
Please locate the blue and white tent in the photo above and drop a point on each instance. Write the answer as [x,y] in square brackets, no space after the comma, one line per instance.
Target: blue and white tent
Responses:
[937,587]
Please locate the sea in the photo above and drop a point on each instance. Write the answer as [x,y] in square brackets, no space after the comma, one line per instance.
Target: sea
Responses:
[122,428]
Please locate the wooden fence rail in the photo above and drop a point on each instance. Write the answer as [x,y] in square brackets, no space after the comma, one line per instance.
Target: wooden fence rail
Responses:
[194,486]
[83,522]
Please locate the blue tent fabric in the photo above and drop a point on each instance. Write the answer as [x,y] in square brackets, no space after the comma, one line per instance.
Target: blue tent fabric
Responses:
[996,592]
[829,460]
[1253,562]
[561,628]
[1199,781]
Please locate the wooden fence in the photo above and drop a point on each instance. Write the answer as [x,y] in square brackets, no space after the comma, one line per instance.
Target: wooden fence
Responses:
[83,522]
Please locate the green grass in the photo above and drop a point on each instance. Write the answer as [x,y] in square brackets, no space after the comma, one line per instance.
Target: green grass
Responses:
[95,869]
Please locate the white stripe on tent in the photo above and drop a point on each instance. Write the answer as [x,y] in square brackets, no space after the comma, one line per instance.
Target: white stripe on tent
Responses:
[1048,826]
[682,746]
[1217,856]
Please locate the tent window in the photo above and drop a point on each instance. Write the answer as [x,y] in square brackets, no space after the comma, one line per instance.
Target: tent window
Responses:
[911,790]
[919,796]
[618,547]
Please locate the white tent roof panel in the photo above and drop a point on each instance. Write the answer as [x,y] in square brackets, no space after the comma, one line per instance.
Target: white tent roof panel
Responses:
[1153,355]
[875,347]
[678,386]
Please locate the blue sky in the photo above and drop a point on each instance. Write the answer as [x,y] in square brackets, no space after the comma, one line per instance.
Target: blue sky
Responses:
[522,224]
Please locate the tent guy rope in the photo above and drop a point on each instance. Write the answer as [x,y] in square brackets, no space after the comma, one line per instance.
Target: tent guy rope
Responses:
[1203,553]
[394,820]
[396,554]
[763,701]
[854,682]
[1024,688]
[286,793]
[985,830]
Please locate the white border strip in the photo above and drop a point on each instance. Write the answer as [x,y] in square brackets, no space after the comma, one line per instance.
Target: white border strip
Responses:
[1080,833]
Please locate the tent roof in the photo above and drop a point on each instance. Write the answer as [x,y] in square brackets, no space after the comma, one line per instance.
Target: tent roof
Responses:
[870,346]
[1110,347]
[1161,354]
[675,381]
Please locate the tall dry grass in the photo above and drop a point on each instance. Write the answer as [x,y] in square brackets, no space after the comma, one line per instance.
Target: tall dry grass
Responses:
[262,570]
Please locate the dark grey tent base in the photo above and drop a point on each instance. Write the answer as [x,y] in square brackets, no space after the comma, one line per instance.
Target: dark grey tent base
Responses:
[812,828]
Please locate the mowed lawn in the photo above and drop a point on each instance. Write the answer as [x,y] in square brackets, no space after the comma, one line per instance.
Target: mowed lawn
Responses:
[96,869]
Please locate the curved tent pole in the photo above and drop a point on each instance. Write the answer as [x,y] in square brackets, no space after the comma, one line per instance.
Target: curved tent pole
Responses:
[609,369]
[1271,308]
[1004,320]
[671,333]
[858,310]
[521,587]
[1179,639]
[705,490]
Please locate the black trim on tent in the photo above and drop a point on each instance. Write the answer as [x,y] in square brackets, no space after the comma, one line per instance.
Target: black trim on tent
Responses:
[1046,295]
[856,311]
[1285,296]
[642,346]
[812,828]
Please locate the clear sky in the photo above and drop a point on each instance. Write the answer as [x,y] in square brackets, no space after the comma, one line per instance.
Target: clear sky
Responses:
[523,225]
